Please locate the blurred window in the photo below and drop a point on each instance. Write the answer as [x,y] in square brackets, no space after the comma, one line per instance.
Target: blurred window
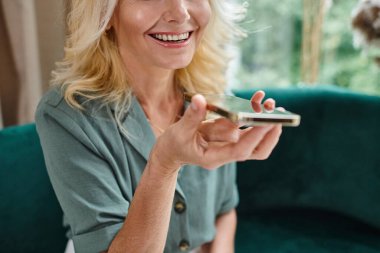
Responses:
[271,56]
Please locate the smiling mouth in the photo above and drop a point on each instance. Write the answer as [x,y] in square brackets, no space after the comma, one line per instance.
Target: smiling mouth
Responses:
[171,38]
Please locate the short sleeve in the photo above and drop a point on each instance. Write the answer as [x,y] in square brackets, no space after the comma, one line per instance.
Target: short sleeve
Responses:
[84,182]
[231,194]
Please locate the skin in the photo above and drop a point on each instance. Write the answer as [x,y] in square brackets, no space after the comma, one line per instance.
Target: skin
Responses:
[150,67]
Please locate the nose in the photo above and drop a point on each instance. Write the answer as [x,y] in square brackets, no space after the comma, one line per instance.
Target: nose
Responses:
[176,12]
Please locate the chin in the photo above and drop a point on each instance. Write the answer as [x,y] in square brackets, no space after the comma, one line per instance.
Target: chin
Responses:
[177,65]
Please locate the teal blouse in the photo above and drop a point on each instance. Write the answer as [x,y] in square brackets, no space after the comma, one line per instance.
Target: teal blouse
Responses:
[94,169]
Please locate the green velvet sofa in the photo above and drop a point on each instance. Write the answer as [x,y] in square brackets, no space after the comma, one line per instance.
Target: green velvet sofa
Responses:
[319,192]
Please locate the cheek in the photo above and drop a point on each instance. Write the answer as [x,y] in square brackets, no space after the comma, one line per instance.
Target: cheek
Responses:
[135,23]
[202,17]
[204,10]
[138,17]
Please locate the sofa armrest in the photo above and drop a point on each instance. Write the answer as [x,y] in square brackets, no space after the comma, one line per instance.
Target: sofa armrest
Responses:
[30,216]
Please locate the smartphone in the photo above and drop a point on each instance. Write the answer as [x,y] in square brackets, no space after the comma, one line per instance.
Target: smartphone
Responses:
[240,111]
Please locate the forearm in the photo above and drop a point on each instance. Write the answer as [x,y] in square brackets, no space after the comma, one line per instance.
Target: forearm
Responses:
[146,225]
[224,240]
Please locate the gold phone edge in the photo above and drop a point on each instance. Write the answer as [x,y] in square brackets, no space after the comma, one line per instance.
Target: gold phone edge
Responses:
[239,119]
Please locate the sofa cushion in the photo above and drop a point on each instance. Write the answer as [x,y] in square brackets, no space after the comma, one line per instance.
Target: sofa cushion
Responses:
[306,230]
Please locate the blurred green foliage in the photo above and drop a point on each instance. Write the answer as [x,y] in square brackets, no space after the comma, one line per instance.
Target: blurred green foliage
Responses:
[271,54]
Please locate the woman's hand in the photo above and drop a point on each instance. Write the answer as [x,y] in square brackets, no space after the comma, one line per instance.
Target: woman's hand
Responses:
[211,144]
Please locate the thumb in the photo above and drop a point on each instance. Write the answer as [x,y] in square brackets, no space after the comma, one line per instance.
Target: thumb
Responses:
[195,113]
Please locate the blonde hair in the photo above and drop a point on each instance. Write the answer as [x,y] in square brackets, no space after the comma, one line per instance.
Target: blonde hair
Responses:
[92,67]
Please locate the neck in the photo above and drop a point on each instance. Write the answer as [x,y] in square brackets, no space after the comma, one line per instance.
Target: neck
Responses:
[152,86]
[159,96]
[155,91]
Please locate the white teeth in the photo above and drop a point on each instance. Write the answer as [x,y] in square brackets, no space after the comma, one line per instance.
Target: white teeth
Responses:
[176,37]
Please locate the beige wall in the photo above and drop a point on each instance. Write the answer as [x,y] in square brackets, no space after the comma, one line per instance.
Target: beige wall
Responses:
[50,26]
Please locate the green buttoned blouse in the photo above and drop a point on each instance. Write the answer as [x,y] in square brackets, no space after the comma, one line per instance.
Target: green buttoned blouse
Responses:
[95,169]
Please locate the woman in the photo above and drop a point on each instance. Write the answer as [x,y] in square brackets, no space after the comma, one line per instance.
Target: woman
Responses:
[134,167]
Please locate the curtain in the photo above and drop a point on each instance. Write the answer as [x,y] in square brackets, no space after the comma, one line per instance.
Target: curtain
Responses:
[9,82]
[20,64]
[32,38]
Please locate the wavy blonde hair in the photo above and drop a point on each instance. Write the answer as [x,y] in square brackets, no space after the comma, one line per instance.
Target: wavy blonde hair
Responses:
[92,67]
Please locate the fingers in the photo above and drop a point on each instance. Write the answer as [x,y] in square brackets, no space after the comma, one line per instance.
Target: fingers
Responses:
[213,143]
[267,144]
[269,104]
[194,114]
[250,139]
[219,130]
[216,155]
[257,99]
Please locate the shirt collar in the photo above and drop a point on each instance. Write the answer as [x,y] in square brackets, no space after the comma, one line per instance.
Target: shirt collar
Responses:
[140,134]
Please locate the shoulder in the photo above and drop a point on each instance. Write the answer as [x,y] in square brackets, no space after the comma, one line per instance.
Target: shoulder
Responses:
[52,97]
[54,104]
[54,116]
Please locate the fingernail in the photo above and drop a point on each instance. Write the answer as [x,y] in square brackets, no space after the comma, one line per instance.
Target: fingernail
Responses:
[194,107]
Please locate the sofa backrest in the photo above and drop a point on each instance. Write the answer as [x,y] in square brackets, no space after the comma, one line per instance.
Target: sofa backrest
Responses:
[30,216]
[330,162]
